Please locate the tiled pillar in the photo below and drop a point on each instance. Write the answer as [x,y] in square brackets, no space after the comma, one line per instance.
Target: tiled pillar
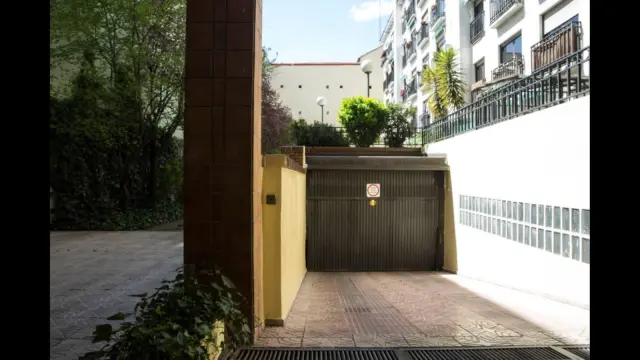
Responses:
[222,155]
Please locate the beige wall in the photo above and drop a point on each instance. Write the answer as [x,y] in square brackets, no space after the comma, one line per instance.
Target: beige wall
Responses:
[284,226]
[314,79]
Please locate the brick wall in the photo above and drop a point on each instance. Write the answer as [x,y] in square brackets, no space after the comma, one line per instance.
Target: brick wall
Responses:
[296,153]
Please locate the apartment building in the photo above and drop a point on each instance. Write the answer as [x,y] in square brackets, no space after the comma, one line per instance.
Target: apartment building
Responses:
[498,41]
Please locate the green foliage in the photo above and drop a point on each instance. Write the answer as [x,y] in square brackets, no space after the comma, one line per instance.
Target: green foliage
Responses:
[176,322]
[398,125]
[106,170]
[363,119]
[315,134]
[444,85]
[276,117]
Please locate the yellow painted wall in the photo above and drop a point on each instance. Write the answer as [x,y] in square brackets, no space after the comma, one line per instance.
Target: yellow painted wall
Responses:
[450,245]
[284,226]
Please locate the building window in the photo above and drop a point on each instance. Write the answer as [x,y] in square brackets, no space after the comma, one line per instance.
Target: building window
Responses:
[340,86]
[299,86]
[442,43]
[425,60]
[511,49]
[480,70]
[478,8]
[554,30]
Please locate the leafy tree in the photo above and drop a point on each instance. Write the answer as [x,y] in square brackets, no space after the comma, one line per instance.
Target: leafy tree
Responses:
[363,119]
[398,125]
[315,134]
[275,115]
[444,85]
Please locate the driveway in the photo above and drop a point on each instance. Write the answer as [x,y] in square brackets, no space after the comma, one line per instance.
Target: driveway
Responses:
[92,276]
[421,309]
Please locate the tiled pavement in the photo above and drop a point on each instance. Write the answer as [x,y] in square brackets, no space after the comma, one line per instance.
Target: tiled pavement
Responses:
[92,276]
[421,309]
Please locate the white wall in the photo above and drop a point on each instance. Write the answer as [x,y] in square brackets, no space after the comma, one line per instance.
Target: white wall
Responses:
[314,79]
[541,158]
[528,22]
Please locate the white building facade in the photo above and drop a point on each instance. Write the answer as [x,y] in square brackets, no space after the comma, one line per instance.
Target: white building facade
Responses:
[301,84]
[497,40]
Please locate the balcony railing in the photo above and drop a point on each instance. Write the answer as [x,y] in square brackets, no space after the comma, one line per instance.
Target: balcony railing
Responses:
[410,50]
[423,33]
[388,79]
[410,88]
[559,82]
[438,12]
[500,7]
[562,42]
[410,12]
[509,68]
[477,28]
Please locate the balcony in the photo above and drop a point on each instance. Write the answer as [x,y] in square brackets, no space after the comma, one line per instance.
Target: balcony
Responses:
[423,35]
[437,15]
[388,80]
[410,89]
[557,45]
[501,10]
[476,28]
[509,68]
[409,50]
[410,14]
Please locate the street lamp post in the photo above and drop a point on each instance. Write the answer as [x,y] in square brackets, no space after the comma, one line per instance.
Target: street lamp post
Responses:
[366,67]
[322,102]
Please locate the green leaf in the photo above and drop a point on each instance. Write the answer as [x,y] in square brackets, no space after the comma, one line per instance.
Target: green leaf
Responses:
[118,316]
[180,338]
[227,282]
[102,333]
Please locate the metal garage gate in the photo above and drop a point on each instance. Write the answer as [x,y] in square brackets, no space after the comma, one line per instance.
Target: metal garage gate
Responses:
[347,232]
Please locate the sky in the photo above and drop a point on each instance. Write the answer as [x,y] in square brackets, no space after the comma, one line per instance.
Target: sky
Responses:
[322,30]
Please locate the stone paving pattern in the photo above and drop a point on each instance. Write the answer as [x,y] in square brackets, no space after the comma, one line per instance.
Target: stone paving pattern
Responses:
[403,309]
[92,276]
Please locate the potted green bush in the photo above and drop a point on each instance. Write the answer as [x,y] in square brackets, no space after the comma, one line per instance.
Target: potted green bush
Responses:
[398,124]
[363,119]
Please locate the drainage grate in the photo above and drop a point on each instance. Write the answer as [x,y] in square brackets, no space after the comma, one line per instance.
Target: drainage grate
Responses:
[584,351]
[357,310]
[457,353]
[523,353]
[315,354]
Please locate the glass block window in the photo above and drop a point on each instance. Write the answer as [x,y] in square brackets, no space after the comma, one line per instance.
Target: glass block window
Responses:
[557,245]
[548,241]
[575,248]
[566,245]
[566,222]
[586,251]
[586,221]
[514,231]
[520,211]
[509,230]
[534,214]
[548,214]
[504,208]
[556,217]
[520,234]
[540,215]
[575,220]
[527,213]
[541,240]
[494,226]
[509,210]
[527,235]
[534,237]
[515,210]
[499,205]
[493,207]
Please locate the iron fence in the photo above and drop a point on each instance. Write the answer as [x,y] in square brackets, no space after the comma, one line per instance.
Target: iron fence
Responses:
[476,28]
[500,7]
[561,81]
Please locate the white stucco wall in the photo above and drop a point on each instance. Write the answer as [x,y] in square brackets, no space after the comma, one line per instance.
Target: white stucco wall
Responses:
[542,158]
[314,79]
[528,22]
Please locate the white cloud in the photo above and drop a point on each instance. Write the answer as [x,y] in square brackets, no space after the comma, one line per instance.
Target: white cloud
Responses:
[371,10]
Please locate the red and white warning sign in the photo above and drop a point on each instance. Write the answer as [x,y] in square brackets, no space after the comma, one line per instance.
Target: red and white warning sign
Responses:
[373,190]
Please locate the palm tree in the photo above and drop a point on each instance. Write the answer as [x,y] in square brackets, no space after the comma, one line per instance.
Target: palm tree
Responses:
[443,84]
[432,87]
